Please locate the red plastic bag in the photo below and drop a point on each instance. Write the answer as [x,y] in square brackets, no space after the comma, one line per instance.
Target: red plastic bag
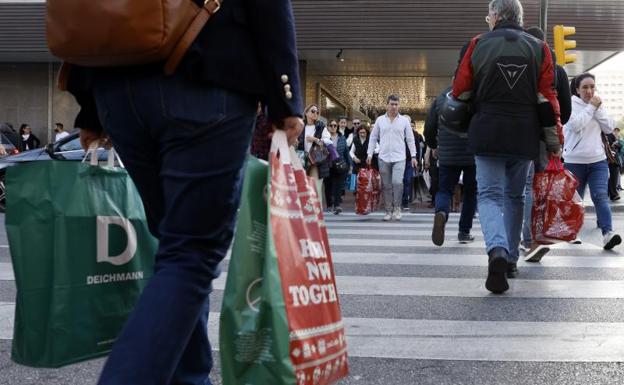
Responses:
[298,237]
[368,191]
[557,213]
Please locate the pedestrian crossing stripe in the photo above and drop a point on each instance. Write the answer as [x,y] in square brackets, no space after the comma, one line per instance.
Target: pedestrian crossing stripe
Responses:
[461,340]
[457,340]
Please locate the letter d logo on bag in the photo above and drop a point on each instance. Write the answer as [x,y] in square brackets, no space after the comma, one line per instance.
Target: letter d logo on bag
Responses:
[102,240]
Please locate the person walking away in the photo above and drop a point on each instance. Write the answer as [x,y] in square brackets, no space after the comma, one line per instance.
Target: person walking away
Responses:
[28,140]
[584,151]
[509,77]
[454,158]
[339,169]
[184,140]
[392,130]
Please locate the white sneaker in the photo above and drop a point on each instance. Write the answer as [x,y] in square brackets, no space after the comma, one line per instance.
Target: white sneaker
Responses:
[397,214]
[611,240]
[388,216]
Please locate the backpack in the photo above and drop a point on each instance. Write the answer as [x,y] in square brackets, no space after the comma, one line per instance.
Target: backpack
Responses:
[122,33]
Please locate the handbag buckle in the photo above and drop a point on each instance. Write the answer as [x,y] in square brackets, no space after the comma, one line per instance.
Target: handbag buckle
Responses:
[217,2]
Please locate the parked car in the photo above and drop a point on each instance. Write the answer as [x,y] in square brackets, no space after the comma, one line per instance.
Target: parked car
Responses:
[66,149]
[8,146]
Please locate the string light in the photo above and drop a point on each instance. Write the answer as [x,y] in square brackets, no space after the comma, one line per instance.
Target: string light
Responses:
[368,94]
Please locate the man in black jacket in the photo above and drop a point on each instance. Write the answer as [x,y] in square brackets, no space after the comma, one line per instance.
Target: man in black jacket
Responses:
[509,76]
[454,158]
[184,139]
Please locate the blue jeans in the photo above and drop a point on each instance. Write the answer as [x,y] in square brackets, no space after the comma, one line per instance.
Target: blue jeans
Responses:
[596,175]
[501,182]
[527,237]
[184,145]
[408,178]
[449,176]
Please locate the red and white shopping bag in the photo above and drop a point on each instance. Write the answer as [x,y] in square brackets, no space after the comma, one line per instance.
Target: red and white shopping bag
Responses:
[318,348]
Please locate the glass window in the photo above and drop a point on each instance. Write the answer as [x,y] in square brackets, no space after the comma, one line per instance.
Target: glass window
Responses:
[72,145]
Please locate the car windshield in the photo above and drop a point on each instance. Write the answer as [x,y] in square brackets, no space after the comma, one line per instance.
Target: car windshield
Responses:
[5,141]
[72,145]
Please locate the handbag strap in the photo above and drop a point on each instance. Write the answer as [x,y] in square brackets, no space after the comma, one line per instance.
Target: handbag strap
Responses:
[210,8]
[607,148]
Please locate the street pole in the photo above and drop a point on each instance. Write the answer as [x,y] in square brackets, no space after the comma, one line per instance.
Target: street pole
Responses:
[543,16]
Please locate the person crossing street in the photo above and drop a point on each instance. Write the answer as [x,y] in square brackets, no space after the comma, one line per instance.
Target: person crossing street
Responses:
[392,130]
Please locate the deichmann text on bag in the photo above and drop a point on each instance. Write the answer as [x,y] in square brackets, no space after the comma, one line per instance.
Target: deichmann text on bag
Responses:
[81,252]
[103,255]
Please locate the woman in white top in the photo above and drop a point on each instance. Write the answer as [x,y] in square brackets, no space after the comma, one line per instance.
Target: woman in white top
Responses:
[314,134]
[584,150]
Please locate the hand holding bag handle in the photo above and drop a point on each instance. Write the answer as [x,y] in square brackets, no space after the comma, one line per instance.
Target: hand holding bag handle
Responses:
[94,160]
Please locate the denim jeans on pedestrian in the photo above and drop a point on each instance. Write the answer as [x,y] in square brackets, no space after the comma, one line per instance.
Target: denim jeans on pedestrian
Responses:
[449,177]
[184,145]
[527,237]
[596,175]
[392,183]
[501,182]
[408,182]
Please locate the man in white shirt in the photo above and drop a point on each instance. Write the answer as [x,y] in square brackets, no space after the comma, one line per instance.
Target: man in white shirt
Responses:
[392,131]
[60,132]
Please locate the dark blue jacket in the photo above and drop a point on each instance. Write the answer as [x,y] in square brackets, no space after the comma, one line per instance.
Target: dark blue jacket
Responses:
[452,148]
[247,46]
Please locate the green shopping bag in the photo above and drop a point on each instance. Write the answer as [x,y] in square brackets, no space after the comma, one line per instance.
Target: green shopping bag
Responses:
[81,253]
[280,318]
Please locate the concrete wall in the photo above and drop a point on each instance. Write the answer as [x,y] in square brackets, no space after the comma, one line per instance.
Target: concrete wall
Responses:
[28,95]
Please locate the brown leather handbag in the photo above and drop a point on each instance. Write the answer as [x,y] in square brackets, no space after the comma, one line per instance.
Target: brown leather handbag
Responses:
[125,32]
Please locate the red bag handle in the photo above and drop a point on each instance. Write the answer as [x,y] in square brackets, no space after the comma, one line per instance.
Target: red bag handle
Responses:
[554,164]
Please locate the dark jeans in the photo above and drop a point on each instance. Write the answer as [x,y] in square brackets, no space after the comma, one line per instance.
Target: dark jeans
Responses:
[614,180]
[334,188]
[184,145]
[449,177]
[434,173]
[408,185]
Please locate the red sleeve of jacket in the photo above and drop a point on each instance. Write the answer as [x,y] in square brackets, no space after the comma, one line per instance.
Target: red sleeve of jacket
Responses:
[464,76]
[546,87]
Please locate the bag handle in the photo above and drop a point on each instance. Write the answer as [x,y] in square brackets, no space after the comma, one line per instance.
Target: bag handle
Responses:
[554,164]
[94,161]
[209,8]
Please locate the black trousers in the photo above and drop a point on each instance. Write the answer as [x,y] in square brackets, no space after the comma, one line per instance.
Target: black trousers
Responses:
[614,179]
[334,187]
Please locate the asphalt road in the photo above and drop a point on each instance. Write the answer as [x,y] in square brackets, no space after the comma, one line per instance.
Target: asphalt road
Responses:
[419,314]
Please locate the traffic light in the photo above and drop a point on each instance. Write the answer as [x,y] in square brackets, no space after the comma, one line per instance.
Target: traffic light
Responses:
[561,44]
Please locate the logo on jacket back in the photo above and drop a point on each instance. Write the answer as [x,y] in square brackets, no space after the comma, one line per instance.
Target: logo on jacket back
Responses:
[511,73]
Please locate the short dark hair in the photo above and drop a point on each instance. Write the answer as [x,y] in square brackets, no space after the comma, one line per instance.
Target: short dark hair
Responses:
[576,82]
[59,125]
[535,32]
[393,98]
[342,118]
